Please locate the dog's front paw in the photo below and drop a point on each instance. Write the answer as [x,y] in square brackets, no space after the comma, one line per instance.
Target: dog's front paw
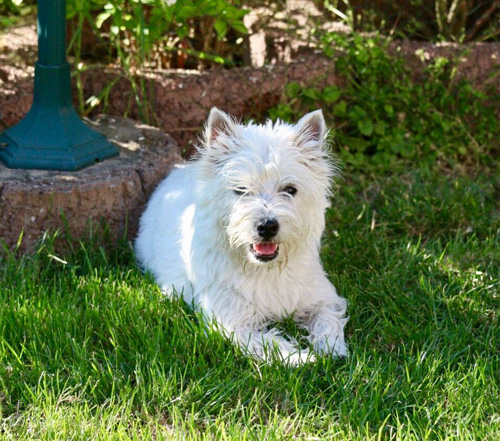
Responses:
[271,347]
[297,358]
[331,345]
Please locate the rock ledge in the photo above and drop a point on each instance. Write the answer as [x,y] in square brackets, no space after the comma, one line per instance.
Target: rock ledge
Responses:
[35,201]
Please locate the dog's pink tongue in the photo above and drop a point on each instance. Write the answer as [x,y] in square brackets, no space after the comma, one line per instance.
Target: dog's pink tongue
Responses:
[266,248]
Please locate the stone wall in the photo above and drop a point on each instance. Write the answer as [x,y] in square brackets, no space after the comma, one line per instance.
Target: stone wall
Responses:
[116,190]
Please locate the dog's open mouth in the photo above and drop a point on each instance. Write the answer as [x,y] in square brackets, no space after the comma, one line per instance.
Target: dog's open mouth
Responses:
[264,251]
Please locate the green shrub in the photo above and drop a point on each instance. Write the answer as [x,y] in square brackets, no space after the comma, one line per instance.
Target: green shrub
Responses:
[142,34]
[156,31]
[159,32]
[382,117]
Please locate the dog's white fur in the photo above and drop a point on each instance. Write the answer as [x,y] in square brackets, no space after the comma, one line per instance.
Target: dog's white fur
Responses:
[198,229]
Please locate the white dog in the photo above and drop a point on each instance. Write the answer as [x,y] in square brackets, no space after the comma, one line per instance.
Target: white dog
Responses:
[237,233]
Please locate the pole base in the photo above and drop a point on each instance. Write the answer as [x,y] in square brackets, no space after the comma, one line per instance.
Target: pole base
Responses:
[15,155]
[52,136]
[69,153]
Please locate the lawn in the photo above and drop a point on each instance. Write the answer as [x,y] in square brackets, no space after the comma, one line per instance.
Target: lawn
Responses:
[89,349]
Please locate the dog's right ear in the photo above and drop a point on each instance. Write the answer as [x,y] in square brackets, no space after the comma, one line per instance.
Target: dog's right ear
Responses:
[219,125]
[312,128]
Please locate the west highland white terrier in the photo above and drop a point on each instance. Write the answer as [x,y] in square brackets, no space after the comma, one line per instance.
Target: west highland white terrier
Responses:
[237,233]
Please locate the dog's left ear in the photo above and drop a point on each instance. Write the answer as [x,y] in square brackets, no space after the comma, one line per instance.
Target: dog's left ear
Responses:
[311,127]
[219,123]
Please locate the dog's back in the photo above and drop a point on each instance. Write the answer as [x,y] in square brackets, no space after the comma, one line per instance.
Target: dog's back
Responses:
[164,231]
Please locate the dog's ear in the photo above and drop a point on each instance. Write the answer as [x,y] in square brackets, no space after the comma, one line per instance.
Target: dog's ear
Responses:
[311,127]
[219,123]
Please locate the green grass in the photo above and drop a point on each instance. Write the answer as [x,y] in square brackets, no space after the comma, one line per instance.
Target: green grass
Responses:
[89,349]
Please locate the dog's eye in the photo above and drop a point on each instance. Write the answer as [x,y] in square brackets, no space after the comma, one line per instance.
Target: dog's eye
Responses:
[290,190]
[240,191]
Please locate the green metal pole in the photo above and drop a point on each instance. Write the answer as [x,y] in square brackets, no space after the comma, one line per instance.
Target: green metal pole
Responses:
[52,32]
[52,136]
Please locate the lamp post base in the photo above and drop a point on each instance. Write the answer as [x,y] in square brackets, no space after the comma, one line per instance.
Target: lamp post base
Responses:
[15,155]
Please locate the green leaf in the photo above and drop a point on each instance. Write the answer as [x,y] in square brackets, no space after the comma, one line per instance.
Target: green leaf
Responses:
[389,109]
[356,144]
[380,128]
[358,113]
[362,56]
[365,126]
[102,17]
[239,26]
[182,31]
[340,108]
[292,90]
[331,94]
[221,28]
[328,51]
[186,12]
[311,93]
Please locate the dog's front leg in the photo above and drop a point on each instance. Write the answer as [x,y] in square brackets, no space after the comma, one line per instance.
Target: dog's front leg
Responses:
[326,331]
[270,345]
[238,319]
[326,322]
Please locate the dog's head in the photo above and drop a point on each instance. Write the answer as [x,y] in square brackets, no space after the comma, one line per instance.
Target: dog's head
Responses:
[267,185]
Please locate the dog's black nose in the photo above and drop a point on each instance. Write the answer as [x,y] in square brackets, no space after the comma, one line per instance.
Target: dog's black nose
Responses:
[268,228]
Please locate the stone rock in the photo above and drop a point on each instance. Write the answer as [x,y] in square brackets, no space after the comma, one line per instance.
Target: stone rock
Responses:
[115,190]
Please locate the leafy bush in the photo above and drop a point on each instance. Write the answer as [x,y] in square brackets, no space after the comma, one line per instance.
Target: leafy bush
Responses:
[139,34]
[12,10]
[382,117]
[162,33]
